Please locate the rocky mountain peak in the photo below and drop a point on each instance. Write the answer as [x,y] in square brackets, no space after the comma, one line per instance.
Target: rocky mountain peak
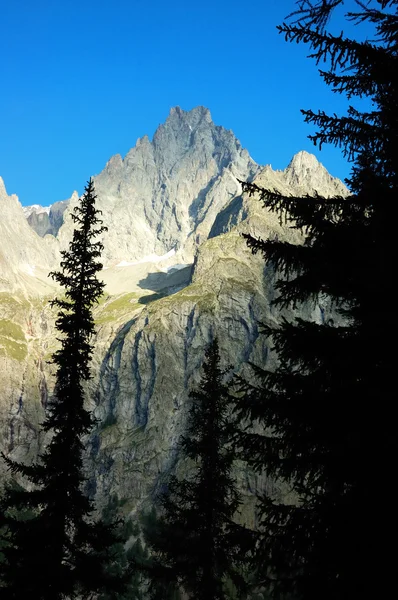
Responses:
[304,160]
[9,204]
[164,190]
[305,171]
[164,197]
[185,132]
[165,194]
[190,117]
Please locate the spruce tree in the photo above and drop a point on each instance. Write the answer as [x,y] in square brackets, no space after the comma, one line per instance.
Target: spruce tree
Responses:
[328,407]
[196,542]
[53,548]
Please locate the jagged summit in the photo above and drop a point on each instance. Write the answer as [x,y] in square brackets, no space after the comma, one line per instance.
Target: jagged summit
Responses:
[2,187]
[304,170]
[303,162]
[181,125]
[167,191]
[194,115]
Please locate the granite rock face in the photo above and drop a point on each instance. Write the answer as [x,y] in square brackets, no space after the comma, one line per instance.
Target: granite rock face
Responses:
[47,220]
[178,272]
[165,194]
[38,218]
[305,172]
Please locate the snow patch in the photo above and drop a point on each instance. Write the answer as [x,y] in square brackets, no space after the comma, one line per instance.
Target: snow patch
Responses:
[36,208]
[153,258]
[30,270]
[124,263]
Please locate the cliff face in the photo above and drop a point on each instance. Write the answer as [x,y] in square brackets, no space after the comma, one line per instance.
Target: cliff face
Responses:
[178,273]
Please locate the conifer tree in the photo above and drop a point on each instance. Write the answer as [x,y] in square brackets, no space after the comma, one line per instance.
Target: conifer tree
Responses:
[196,542]
[53,549]
[124,553]
[328,407]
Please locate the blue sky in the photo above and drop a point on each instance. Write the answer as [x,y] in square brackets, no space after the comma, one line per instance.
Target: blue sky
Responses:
[82,80]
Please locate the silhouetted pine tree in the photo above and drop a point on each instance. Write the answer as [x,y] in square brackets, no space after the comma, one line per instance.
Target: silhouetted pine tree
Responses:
[196,542]
[53,549]
[155,580]
[329,405]
[125,554]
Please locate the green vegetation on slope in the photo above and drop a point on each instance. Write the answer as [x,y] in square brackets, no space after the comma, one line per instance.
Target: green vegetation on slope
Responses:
[12,340]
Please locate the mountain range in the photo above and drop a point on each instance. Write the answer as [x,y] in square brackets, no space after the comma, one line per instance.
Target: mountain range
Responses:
[177,272]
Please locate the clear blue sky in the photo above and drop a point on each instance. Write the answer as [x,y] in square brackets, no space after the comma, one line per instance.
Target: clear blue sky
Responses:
[81,80]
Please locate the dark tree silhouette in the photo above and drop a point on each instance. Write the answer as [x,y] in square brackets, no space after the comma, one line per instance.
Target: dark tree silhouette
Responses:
[329,404]
[53,548]
[125,554]
[196,542]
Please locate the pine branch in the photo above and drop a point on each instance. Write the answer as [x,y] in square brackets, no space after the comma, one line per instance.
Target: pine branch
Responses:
[350,133]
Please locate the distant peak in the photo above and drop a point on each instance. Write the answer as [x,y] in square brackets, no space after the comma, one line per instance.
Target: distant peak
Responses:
[115,159]
[198,110]
[4,193]
[191,117]
[181,123]
[2,186]
[114,163]
[304,160]
[142,141]
[305,170]
[36,208]
[175,110]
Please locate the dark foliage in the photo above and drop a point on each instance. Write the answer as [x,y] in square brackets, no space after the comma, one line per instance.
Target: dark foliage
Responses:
[156,580]
[125,554]
[329,405]
[52,547]
[196,542]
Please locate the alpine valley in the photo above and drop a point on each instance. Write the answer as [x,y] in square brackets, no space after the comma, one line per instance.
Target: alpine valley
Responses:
[177,273]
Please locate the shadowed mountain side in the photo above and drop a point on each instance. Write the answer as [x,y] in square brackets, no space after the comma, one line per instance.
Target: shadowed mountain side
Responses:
[304,175]
[174,278]
[228,217]
[46,220]
[144,276]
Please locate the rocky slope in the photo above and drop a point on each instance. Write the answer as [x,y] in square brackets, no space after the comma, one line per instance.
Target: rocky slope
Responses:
[177,271]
